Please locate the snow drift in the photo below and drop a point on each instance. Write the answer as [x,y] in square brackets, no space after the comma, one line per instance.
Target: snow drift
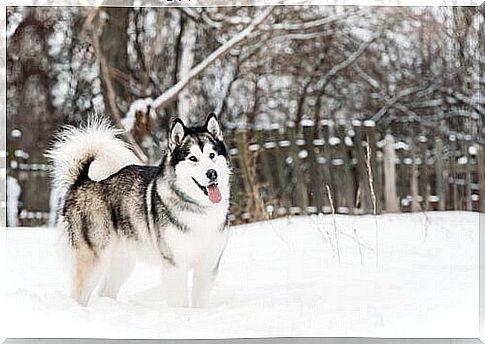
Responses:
[277,278]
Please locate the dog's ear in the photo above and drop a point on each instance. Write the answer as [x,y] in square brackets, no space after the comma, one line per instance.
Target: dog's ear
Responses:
[213,127]
[177,133]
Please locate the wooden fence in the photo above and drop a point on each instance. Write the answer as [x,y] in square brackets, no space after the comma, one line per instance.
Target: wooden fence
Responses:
[285,170]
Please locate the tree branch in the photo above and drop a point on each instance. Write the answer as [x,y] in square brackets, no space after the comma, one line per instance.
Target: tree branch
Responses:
[173,91]
[390,102]
[347,62]
[310,24]
[303,36]
[463,99]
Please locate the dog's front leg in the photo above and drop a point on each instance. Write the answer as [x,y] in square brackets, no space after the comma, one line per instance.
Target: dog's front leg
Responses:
[203,281]
[175,282]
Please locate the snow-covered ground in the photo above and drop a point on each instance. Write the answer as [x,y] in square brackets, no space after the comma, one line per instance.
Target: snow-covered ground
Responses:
[277,278]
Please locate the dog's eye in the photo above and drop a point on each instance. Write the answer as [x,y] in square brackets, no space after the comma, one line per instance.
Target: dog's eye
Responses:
[212,155]
[193,158]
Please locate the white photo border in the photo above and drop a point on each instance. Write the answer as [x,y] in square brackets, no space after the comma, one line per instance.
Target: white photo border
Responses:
[210,3]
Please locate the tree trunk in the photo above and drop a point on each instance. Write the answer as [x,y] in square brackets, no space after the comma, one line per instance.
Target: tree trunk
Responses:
[113,42]
[188,39]
[390,194]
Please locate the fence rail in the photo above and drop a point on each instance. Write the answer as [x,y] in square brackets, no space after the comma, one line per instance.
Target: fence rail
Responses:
[285,170]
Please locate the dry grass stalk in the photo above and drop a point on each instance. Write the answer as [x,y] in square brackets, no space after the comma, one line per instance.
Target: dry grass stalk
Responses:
[330,199]
[328,238]
[259,204]
[373,195]
[360,244]
[356,205]
[358,241]
[357,198]
[248,164]
[426,224]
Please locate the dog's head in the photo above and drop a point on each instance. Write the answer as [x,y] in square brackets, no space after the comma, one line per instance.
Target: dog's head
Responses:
[199,162]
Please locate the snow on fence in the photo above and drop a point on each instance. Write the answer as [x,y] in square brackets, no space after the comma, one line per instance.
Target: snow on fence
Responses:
[285,170]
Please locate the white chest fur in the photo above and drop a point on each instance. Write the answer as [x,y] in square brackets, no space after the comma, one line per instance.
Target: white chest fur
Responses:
[204,240]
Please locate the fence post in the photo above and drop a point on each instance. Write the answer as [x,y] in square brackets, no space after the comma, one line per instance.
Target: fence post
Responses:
[264,158]
[371,133]
[468,176]
[251,187]
[280,168]
[316,181]
[481,175]
[328,176]
[441,186]
[236,178]
[241,143]
[423,173]
[297,172]
[453,172]
[414,178]
[365,196]
[348,181]
[390,193]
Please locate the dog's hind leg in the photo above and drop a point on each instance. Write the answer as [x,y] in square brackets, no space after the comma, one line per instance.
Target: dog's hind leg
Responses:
[121,263]
[87,266]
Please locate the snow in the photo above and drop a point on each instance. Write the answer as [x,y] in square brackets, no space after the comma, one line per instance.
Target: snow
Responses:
[16,133]
[303,154]
[13,193]
[333,140]
[307,123]
[369,123]
[473,150]
[401,145]
[138,105]
[14,20]
[277,278]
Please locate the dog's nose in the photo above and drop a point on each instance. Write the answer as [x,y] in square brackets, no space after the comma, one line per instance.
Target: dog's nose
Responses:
[212,175]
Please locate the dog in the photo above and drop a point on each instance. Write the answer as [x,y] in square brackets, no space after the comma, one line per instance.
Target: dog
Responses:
[111,206]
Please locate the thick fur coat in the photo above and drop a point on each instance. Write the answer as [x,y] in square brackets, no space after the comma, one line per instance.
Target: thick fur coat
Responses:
[111,206]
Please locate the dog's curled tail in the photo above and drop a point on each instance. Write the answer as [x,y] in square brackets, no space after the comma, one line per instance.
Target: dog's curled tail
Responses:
[94,150]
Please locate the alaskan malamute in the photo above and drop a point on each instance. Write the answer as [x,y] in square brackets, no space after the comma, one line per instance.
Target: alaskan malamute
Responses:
[110,205]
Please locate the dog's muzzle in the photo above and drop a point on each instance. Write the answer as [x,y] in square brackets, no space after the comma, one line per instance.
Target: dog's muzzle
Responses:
[212,190]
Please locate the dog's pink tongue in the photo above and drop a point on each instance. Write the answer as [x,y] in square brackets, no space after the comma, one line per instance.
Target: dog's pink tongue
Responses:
[214,193]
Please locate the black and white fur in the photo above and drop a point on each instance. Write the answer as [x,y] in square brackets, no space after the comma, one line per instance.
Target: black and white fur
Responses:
[111,206]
